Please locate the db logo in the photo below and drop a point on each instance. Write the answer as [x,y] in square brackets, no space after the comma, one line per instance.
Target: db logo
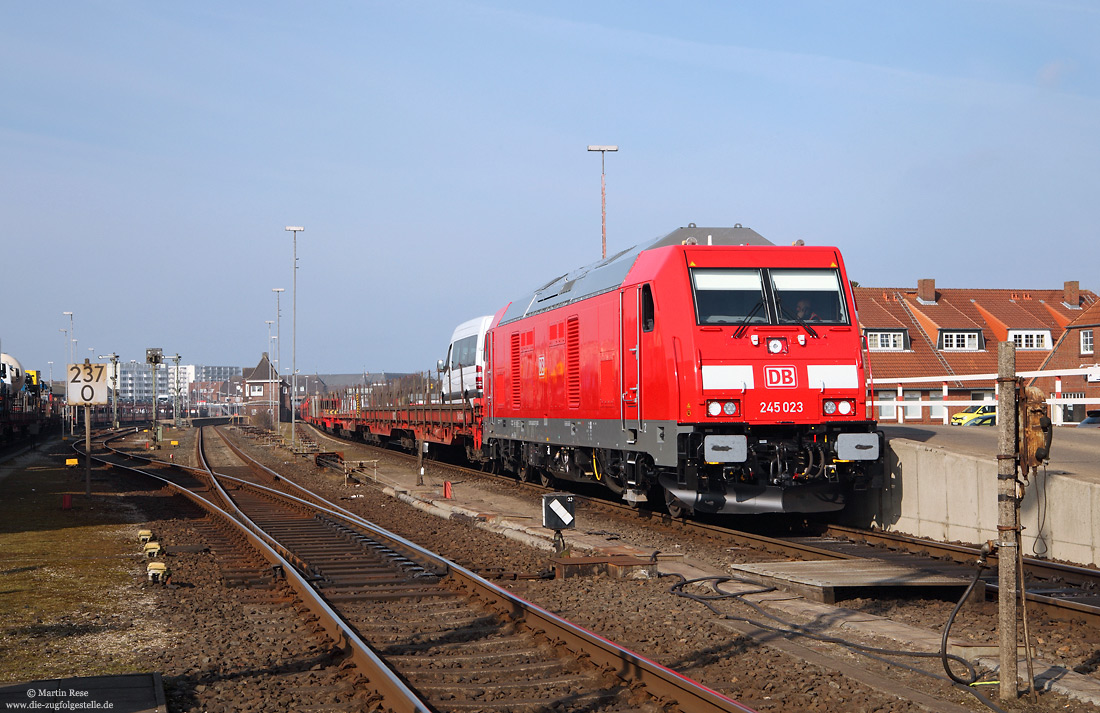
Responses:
[780,377]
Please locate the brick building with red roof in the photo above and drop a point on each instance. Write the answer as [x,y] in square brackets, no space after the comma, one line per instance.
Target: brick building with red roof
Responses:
[930,332]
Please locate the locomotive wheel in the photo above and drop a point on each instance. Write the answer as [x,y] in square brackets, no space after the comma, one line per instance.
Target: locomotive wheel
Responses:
[676,508]
[546,479]
[528,474]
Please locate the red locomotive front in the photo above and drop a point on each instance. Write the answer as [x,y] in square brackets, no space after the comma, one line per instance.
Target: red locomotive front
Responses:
[724,377]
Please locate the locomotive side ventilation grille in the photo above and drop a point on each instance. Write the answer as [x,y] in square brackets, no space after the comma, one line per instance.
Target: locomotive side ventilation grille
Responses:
[516,381]
[573,361]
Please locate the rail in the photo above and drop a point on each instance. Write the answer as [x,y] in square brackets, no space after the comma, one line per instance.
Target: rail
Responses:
[393,690]
[630,666]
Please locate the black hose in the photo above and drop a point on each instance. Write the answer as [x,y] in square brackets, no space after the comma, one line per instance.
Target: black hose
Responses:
[798,630]
[947,629]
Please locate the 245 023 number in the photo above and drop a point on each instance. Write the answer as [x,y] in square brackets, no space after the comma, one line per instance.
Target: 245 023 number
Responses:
[781,407]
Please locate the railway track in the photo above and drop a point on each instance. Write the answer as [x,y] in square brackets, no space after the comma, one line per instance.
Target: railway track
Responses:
[430,634]
[1061,591]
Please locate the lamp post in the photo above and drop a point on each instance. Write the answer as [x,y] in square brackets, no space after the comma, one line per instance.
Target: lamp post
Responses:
[71,338]
[270,378]
[279,345]
[294,336]
[133,389]
[603,193]
[70,361]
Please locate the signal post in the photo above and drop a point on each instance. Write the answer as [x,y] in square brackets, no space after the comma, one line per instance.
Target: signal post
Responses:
[1008,518]
[1024,438]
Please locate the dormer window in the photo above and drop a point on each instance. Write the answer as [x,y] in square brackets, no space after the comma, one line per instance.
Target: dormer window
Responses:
[887,341]
[961,341]
[1030,338]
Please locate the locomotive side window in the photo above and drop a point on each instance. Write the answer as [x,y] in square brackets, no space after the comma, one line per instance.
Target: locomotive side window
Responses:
[647,308]
[727,296]
[812,296]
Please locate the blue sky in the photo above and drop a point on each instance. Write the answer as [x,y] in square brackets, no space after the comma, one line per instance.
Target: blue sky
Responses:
[152,154]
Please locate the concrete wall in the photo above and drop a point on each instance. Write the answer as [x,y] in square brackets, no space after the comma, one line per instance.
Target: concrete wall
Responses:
[945,496]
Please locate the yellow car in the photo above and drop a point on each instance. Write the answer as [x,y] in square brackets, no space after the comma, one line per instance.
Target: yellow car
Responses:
[972,412]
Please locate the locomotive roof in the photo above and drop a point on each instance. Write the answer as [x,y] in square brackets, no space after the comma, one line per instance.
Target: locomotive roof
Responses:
[608,274]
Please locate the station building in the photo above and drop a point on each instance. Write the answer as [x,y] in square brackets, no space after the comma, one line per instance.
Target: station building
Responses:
[937,332]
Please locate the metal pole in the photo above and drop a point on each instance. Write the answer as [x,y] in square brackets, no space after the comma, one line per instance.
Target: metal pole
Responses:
[603,194]
[271,388]
[87,450]
[114,391]
[294,341]
[279,352]
[294,348]
[66,414]
[156,439]
[603,207]
[1008,526]
[176,394]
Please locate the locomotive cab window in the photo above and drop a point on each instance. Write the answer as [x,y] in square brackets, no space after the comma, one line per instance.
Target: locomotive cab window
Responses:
[812,296]
[728,296]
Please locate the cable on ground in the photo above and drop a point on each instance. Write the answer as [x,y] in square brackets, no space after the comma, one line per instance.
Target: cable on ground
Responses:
[792,629]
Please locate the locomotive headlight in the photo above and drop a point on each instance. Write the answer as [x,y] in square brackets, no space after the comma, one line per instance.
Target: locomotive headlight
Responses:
[845,408]
[775,346]
[830,408]
[714,408]
[730,408]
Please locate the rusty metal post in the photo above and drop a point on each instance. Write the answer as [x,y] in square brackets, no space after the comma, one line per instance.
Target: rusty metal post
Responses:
[1008,518]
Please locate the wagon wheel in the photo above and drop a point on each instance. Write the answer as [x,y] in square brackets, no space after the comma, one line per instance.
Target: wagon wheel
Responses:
[676,508]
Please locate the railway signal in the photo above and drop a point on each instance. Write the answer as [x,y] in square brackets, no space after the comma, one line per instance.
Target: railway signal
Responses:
[155,356]
[559,513]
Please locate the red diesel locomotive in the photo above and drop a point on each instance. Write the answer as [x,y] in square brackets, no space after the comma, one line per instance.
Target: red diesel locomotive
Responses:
[710,367]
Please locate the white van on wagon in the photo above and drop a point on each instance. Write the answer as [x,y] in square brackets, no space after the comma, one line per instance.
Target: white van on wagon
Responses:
[461,374]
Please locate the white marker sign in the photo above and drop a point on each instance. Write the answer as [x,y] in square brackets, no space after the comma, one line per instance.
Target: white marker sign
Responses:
[558,508]
[87,384]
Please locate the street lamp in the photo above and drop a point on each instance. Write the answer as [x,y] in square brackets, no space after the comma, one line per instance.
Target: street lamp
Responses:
[270,378]
[603,192]
[133,389]
[294,336]
[70,361]
[71,337]
[279,344]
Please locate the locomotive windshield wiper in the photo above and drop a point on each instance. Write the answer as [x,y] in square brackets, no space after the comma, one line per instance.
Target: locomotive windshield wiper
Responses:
[740,331]
[798,320]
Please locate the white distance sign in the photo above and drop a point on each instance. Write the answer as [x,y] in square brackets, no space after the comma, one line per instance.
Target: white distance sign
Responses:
[87,384]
